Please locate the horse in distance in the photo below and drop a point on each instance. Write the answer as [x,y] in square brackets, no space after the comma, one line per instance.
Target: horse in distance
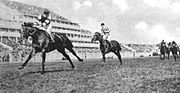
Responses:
[174,50]
[163,51]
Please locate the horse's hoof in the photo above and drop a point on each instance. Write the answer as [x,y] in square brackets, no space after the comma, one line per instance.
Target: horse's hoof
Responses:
[42,72]
[103,60]
[21,67]
[81,60]
[74,68]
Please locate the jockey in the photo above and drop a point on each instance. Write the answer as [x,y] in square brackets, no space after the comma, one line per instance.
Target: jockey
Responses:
[162,43]
[45,21]
[174,44]
[105,31]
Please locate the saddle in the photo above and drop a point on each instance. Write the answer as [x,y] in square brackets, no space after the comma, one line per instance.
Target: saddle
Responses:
[46,33]
[109,43]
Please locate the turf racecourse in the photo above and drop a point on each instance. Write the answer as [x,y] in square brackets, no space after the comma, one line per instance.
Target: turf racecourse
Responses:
[138,75]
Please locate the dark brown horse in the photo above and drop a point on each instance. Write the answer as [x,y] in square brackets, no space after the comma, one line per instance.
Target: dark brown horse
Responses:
[174,50]
[163,51]
[106,46]
[41,42]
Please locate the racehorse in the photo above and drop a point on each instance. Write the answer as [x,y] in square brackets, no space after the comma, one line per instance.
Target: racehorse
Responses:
[106,46]
[174,50]
[41,42]
[163,51]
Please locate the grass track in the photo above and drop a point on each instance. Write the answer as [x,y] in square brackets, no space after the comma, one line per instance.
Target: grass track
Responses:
[140,75]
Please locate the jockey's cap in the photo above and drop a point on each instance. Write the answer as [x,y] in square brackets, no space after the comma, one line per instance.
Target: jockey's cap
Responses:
[46,11]
[102,24]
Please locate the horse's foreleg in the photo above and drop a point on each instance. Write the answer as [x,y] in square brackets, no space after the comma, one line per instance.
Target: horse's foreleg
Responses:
[32,53]
[43,60]
[73,52]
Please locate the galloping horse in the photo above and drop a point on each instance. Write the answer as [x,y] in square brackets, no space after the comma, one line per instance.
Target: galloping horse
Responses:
[106,46]
[174,50]
[41,42]
[163,51]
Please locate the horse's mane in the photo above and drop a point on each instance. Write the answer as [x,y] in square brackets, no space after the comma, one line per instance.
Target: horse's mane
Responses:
[97,33]
[27,24]
[31,27]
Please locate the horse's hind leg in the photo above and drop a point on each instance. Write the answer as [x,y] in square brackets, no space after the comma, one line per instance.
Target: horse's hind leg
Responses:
[73,52]
[168,55]
[32,53]
[43,60]
[119,56]
[104,58]
[175,56]
[67,57]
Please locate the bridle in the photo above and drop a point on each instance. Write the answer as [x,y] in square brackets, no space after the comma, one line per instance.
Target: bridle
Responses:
[28,29]
[98,35]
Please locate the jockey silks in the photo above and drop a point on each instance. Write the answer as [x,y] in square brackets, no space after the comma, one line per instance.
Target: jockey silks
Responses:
[105,32]
[45,19]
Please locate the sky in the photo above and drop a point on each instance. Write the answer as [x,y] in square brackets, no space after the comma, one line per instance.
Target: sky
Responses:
[130,21]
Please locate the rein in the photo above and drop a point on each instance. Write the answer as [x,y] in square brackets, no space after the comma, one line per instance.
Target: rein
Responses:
[32,32]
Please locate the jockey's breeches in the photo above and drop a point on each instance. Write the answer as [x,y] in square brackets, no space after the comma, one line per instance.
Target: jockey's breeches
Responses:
[105,36]
[49,28]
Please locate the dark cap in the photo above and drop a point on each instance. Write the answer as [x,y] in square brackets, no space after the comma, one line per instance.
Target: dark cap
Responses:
[46,11]
[102,24]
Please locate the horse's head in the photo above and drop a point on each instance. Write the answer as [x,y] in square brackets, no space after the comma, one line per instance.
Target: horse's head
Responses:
[96,36]
[28,24]
[26,31]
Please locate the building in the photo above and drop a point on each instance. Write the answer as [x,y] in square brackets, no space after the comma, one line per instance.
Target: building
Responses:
[9,27]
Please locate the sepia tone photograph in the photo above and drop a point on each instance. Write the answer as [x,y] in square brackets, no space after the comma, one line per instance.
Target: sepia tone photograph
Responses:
[89,46]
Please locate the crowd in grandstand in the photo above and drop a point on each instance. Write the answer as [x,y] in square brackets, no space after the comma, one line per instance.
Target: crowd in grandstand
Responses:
[19,51]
